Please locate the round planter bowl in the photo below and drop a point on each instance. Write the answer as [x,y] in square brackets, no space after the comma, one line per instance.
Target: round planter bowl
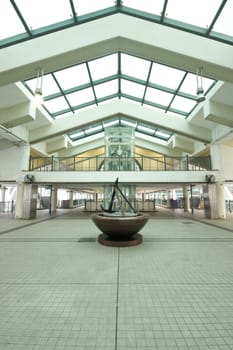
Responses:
[120,227]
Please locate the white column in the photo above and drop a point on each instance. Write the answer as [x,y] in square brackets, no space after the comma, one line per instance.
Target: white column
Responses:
[19,201]
[2,193]
[169,196]
[70,199]
[220,200]
[221,159]
[26,201]
[53,200]
[186,198]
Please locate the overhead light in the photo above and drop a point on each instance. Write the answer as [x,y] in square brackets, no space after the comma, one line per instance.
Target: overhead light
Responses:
[39,83]
[200,90]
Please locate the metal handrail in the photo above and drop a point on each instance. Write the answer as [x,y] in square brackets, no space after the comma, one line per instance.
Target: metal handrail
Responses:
[137,163]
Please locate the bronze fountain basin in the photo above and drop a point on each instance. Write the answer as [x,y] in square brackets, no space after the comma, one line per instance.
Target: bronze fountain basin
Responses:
[120,230]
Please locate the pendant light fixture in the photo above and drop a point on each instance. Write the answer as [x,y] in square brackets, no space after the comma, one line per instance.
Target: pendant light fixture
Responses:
[200,90]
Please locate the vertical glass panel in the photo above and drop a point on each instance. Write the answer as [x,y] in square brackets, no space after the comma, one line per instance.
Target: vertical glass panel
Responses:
[145,129]
[162,134]
[224,23]
[74,76]
[166,76]
[103,67]
[151,6]
[105,89]
[190,84]
[79,97]
[94,129]
[49,85]
[133,89]
[77,135]
[183,104]
[41,13]
[196,12]
[55,105]
[10,23]
[150,138]
[134,66]
[157,96]
[88,6]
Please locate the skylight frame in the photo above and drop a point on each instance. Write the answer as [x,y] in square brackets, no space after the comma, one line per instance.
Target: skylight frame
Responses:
[118,80]
[119,7]
[143,128]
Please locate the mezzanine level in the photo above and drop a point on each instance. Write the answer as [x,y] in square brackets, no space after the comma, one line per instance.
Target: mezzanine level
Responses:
[130,170]
[138,163]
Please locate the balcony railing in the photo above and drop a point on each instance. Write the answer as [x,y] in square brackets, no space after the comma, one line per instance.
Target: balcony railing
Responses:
[138,163]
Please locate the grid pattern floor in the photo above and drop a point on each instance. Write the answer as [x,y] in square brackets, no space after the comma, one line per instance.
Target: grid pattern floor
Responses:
[61,289]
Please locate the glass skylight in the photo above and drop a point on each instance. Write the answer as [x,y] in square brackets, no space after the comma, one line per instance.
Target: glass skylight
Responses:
[73,76]
[41,13]
[106,89]
[224,22]
[160,73]
[103,67]
[56,104]
[159,97]
[80,97]
[135,66]
[197,12]
[87,6]
[152,6]
[142,129]
[10,23]
[183,104]
[141,81]
[24,19]
[131,88]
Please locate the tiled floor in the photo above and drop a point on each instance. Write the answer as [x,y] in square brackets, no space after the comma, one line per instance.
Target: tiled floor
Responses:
[58,291]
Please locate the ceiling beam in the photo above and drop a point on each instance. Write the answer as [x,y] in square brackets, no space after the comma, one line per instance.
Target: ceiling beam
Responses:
[219,113]
[18,114]
[139,113]
[104,36]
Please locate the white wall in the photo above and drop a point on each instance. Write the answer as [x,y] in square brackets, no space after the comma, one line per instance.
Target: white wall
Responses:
[222,159]
[12,161]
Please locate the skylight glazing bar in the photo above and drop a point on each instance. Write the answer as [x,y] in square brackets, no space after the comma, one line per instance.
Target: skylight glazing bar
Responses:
[28,30]
[73,11]
[216,17]
[62,92]
[177,90]
[92,85]
[163,11]
[119,74]
[147,82]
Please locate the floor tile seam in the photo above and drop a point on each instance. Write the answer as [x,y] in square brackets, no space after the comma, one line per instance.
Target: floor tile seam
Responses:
[25,225]
[39,241]
[117,298]
[58,283]
[176,283]
[53,216]
[121,283]
[209,223]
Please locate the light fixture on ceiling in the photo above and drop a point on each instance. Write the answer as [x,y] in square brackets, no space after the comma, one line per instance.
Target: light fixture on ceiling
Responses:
[200,90]
[39,83]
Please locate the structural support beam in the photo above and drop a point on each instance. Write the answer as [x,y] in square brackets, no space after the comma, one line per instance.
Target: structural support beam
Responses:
[17,114]
[155,118]
[182,144]
[133,35]
[219,113]
[56,145]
